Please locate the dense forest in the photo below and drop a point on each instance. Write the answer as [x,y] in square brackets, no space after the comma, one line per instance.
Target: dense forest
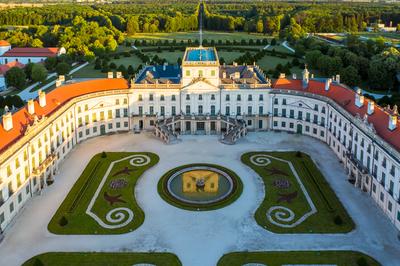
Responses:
[87,31]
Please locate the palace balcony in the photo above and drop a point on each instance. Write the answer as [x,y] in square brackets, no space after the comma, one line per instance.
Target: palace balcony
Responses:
[44,165]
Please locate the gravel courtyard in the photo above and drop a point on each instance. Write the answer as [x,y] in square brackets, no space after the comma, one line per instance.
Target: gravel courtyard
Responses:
[200,238]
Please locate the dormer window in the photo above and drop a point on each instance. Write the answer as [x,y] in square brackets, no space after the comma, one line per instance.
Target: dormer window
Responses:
[187,97]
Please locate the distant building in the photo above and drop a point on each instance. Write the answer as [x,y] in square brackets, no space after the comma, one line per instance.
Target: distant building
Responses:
[30,55]
[4,47]
[3,70]
[381,27]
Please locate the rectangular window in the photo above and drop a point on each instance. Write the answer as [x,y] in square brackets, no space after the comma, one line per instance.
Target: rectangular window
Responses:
[109,115]
[126,124]
[260,110]
[238,110]
[118,124]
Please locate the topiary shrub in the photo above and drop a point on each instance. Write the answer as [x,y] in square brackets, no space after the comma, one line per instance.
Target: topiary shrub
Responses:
[63,221]
[362,262]
[338,220]
[103,154]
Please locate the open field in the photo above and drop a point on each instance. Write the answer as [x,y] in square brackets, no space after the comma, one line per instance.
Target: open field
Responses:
[90,72]
[298,198]
[207,35]
[274,258]
[103,192]
[102,259]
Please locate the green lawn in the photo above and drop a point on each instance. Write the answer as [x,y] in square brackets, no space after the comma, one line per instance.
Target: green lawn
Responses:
[102,259]
[209,35]
[235,194]
[90,72]
[75,205]
[327,204]
[274,258]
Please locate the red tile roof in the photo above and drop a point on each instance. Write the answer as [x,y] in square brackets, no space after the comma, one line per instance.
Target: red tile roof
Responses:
[4,68]
[54,100]
[4,43]
[32,52]
[345,97]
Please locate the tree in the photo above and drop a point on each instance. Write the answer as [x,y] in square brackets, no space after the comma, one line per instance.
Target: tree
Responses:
[36,43]
[260,26]
[15,77]
[50,63]
[39,73]
[350,76]
[294,31]
[63,68]
[383,68]
[28,70]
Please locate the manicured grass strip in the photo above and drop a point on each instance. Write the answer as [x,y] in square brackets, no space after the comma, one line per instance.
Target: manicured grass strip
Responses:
[331,217]
[164,193]
[278,258]
[83,188]
[71,217]
[102,259]
[330,208]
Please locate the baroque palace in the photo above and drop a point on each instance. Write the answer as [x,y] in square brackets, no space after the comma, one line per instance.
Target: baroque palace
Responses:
[200,97]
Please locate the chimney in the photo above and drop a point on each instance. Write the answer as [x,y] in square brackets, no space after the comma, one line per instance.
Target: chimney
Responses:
[234,64]
[338,78]
[110,75]
[58,83]
[371,107]
[61,78]
[119,75]
[328,84]
[306,77]
[359,101]
[392,122]
[42,98]
[224,75]
[7,121]
[164,67]
[282,75]
[31,106]
[294,76]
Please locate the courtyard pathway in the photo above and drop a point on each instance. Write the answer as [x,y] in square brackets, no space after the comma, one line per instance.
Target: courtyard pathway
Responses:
[200,238]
